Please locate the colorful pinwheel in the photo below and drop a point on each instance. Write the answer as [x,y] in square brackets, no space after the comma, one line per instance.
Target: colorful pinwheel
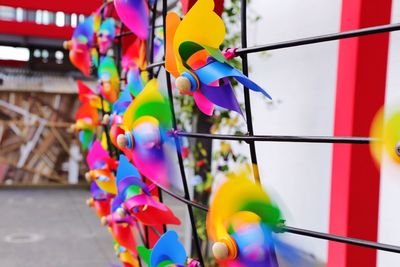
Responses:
[83,54]
[87,120]
[101,168]
[387,133]
[147,122]
[121,227]
[127,259]
[168,251]
[106,35]
[137,200]
[240,220]
[132,62]
[100,200]
[109,79]
[194,58]
[134,14]
[86,94]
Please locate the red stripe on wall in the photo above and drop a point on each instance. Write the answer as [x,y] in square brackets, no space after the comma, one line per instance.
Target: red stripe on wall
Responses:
[85,7]
[35,30]
[361,83]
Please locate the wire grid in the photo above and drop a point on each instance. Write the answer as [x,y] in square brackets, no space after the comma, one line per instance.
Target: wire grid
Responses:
[250,138]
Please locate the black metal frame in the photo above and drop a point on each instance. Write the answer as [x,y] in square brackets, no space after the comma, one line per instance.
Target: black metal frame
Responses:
[250,138]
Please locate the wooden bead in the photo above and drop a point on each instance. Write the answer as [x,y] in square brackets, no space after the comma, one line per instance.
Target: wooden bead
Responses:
[106,119]
[220,250]
[89,202]
[183,84]
[67,45]
[398,149]
[121,212]
[103,221]
[88,177]
[122,141]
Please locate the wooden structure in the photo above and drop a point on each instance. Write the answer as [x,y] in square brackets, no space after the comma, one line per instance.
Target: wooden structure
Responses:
[35,135]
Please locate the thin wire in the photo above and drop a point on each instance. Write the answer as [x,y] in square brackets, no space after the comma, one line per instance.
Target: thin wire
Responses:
[305,232]
[247,103]
[321,38]
[280,138]
[178,150]
[310,40]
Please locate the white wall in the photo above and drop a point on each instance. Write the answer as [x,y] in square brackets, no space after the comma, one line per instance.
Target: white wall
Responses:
[302,81]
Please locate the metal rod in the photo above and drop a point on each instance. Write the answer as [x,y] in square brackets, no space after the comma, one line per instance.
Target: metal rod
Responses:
[151,75]
[178,150]
[311,40]
[247,103]
[320,38]
[155,65]
[281,138]
[305,232]
[342,239]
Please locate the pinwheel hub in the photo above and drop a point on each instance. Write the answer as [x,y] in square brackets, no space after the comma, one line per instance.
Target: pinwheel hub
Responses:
[225,248]
[104,221]
[88,176]
[397,148]
[147,134]
[106,119]
[187,82]
[90,202]
[121,212]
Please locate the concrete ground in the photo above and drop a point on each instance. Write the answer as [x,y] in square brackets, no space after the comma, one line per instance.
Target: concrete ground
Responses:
[55,228]
[51,228]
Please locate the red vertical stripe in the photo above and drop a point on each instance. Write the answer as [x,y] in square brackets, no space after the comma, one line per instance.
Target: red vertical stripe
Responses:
[361,83]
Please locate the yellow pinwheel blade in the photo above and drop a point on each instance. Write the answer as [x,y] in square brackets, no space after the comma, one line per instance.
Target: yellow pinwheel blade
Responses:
[230,206]
[391,136]
[201,25]
[150,102]
[388,133]
[377,132]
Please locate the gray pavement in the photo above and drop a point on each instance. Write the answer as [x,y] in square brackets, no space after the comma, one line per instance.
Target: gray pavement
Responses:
[51,228]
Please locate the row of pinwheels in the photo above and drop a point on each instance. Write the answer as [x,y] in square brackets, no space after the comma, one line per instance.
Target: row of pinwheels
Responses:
[126,126]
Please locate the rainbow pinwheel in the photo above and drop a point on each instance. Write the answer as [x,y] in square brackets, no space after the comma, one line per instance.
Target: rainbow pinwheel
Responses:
[87,120]
[387,133]
[86,94]
[83,54]
[194,58]
[100,200]
[134,14]
[121,227]
[137,200]
[147,123]
[109,79]
[127,259]
[114,120]
[132,62]
[168,251]
[240,220]
[101,168]
[106,35]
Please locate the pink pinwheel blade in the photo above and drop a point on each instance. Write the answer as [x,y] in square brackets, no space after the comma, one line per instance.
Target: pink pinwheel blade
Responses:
[96,153]
[205,105]
[143,200]
[134,14]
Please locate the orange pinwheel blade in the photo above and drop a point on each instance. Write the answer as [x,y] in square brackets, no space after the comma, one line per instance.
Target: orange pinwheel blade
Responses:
[172,22]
